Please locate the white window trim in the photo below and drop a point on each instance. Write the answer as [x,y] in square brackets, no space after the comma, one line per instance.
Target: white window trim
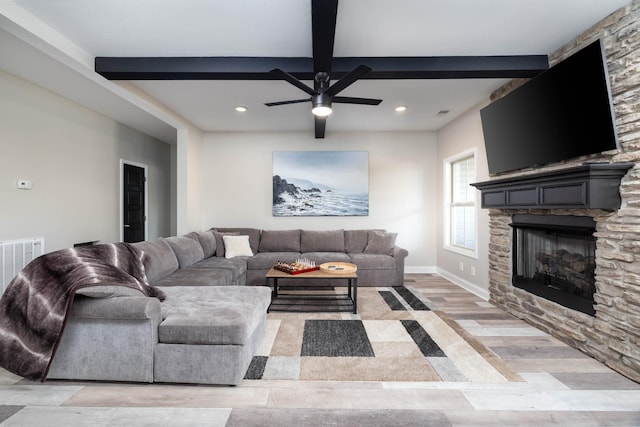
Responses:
[471,253]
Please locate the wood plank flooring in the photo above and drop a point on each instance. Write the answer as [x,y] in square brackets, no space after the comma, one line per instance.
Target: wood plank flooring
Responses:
[561,387]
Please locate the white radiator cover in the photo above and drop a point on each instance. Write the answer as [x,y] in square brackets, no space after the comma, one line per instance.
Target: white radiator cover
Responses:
[15,255]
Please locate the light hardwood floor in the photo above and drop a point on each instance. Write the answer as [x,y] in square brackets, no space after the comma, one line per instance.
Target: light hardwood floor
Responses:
[561,387]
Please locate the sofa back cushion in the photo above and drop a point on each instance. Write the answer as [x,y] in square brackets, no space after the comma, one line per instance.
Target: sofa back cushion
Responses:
[322,241]
[188,250]
[253,233]
[159,259]
[380,243]
[279,241]
[207,241]
[356,240]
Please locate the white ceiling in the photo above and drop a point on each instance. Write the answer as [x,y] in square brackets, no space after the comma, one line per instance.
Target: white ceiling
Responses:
[282,28]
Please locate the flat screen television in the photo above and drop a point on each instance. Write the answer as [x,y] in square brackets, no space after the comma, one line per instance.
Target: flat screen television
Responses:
[563,113]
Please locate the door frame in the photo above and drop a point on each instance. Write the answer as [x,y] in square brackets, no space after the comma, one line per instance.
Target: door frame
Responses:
[146,197]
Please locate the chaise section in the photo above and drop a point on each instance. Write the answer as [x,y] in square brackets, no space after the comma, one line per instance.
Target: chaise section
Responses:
[209,335]
[109,339]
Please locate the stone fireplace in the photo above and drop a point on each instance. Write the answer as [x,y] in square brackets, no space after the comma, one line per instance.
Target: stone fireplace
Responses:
[564,255]
[519,202]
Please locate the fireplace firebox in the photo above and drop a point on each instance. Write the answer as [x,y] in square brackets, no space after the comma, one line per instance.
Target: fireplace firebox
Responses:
[554,258]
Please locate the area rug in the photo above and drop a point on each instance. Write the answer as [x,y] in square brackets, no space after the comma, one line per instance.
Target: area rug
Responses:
[397,335]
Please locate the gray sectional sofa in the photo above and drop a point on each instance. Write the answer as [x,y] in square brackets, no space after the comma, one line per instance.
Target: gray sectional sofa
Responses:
[208,328]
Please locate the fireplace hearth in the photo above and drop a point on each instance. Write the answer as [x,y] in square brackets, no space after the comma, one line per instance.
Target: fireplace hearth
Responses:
[554,258]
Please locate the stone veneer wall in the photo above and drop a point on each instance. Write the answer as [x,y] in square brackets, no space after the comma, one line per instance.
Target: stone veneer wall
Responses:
[613,335]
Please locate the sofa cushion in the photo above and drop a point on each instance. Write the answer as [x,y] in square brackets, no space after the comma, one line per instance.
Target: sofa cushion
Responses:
[266,260]
[235,246]
[197,277]
[322,241]
[380,243]
[237,266]
[109,291]
[322,257]
[159,259]
[187,248]
[279,241]
[207,240]
[356,240]
[373,261]
[253,233]
[212,315]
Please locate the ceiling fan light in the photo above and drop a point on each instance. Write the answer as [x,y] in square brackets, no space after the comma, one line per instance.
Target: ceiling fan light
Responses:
[321,110]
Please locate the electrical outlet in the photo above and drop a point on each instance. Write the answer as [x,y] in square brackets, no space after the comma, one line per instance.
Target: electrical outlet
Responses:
[461,266]
[23,184]
[472,270]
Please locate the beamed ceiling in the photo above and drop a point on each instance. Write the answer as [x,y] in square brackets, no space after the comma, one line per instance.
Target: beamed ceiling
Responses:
[199,59]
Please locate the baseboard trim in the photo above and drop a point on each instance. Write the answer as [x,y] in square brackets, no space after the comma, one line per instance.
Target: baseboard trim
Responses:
[471,287]
[420,270]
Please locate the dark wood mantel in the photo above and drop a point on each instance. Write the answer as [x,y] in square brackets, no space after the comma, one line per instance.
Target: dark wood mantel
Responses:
[589,186]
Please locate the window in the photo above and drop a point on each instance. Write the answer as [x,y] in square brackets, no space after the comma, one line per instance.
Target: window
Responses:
[461,204]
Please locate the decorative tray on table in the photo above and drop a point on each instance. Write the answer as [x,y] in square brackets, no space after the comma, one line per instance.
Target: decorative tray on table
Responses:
[338,268]
[298,267]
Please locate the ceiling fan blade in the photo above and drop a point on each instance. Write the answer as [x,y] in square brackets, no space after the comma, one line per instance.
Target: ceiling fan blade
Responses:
[291,79]
[293,101]
[350,100]
[320,125]
[348,80]
[323,27]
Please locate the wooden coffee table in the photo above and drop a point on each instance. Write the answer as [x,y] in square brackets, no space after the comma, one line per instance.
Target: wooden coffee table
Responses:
[304,300]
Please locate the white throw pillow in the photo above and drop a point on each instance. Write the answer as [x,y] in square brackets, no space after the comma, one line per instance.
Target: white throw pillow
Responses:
[236,246]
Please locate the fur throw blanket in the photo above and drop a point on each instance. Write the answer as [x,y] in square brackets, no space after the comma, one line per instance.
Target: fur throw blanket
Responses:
[35,305]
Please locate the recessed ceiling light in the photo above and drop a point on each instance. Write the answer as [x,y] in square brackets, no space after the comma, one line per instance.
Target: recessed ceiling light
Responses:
[401,108]
[241,109]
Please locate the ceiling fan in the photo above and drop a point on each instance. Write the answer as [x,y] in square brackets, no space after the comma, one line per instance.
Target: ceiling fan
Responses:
[323,95]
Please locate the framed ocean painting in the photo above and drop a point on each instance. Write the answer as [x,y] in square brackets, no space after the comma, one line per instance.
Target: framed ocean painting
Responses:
[320,183]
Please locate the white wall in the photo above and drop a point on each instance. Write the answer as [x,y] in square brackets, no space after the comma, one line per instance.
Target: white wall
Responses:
[72,156]
[464,134]
[189,180]
[237,184]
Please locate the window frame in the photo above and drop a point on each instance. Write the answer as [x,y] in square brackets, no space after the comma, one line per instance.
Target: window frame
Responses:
[449,204]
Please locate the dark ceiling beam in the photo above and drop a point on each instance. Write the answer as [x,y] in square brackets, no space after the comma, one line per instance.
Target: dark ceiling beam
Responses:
[323,32]
[447,67]
[258,68]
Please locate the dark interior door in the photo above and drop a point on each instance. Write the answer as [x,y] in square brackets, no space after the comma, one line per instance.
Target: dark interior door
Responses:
[134,209]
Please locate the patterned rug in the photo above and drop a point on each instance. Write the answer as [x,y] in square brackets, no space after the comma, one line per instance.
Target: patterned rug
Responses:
[397,335]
